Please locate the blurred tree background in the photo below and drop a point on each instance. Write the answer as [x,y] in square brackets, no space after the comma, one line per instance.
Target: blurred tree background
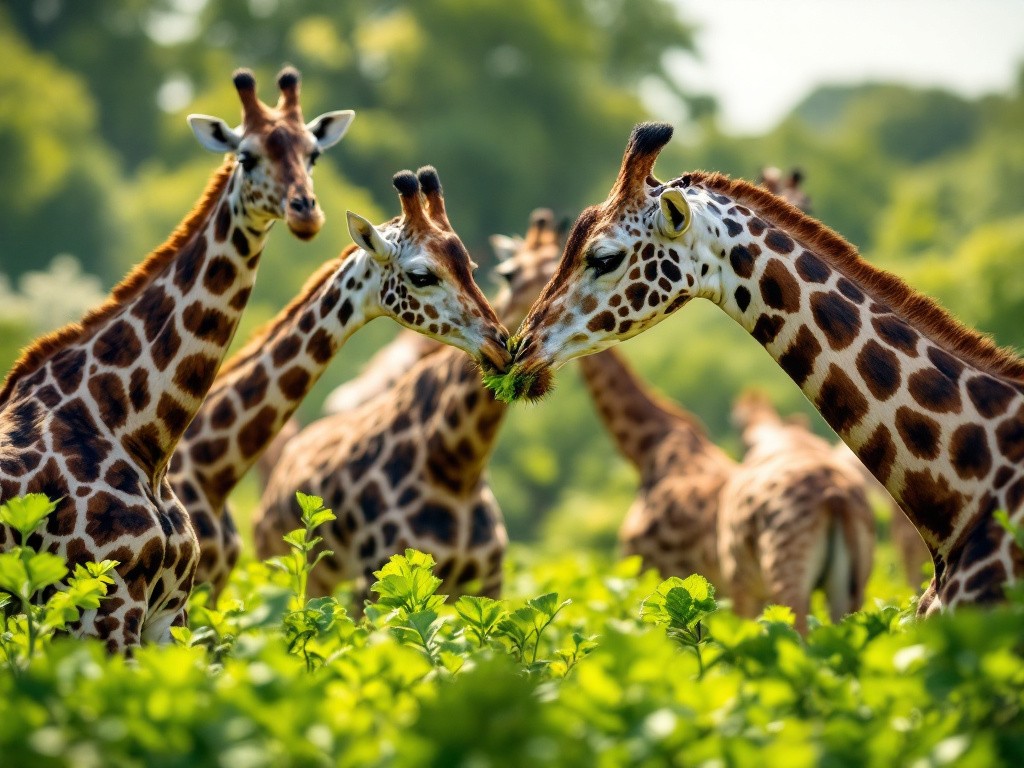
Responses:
[518,105]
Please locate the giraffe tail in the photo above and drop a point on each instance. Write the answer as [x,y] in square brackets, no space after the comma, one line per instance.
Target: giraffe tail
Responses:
[848,562]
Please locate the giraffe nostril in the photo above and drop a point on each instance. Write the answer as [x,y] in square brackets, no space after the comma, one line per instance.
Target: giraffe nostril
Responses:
[302,204]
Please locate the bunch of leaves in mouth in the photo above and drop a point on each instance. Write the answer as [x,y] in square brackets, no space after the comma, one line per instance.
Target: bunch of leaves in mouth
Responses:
[510,386]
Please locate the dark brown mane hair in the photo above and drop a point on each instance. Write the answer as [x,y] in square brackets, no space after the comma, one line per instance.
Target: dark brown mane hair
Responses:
[918,310]
[134,283]
[259,338]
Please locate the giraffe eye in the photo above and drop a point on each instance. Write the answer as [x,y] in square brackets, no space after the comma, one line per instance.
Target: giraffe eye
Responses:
[314,157]
[247,160]
[606,262]
[423,279]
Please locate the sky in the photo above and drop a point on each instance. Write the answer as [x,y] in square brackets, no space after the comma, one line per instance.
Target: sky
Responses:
[759,58]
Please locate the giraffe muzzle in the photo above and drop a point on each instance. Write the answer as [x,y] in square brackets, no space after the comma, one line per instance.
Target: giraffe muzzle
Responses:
[304,217]
[494,354]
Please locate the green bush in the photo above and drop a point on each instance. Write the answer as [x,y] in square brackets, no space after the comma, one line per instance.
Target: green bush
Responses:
[625,671]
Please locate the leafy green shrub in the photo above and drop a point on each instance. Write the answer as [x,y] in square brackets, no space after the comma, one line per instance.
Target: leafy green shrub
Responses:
[629,671]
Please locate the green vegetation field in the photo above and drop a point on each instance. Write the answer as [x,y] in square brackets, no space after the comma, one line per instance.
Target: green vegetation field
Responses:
[587,662]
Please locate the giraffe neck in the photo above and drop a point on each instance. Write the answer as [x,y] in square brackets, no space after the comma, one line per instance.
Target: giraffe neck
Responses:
[925,416]
[633,415]
[142,363]
[460,419]
[261,386]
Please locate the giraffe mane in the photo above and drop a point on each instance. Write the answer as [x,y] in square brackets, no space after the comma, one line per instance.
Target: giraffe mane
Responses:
[920,311]
[258,339]
[134,283]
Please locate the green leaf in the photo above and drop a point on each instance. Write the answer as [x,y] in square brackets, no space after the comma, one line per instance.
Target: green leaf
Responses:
[481,613]
[25,513]
[680,603]
[296,539]
[778,614]
[308,504]
[13,576]
[548,605]
[408,582]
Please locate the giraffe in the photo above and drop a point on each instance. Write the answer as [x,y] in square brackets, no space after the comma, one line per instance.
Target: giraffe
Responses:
[413,269]
[933,409]
[671,523]
[793,516]
[407,467]
[90,414]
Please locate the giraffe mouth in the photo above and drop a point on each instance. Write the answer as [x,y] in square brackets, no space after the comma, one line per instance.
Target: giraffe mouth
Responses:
[494,358]
[305,227]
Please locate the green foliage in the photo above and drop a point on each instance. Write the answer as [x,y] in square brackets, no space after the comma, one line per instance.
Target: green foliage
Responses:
[681,605]
[509,387]
[30,576]
[608,677]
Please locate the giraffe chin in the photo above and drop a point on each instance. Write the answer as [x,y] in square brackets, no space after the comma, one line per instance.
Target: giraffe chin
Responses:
[305,228]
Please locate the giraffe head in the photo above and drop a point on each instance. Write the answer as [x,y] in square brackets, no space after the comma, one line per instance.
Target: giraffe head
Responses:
[526,264]
[426,280]
[629,262]
[627,265]
[276,151]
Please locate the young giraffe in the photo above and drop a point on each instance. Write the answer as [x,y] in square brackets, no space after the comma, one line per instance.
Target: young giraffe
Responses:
[671,523]
[792,517]
[91,413]
[407,468]
[413,269]
[933,409]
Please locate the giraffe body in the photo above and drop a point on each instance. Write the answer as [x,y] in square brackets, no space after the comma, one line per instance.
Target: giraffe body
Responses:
[672,521]
[413,269]
[793,517]
[407,468]
[91,413]
[933,409]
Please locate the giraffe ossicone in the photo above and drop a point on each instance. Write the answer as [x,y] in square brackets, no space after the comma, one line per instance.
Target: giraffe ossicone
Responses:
[91,413]
[933,409]
[413,269]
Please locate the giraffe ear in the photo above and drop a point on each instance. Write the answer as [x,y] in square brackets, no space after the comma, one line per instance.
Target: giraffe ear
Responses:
[330,127]
[366,236]
[214,134]
[505,247]
[674,218]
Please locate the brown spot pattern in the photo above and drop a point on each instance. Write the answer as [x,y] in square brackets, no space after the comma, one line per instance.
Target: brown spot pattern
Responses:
[838,319]
[779,288]
[919,433]
[880,369]
[969,452]
[798,360]
[840,401]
